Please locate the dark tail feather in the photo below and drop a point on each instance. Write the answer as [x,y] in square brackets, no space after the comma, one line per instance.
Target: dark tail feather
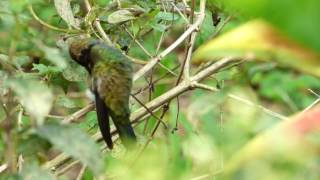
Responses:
[126,133]
[103,120]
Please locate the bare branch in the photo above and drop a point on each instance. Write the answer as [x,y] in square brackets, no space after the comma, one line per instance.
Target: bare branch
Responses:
[138,43]
[78,114]
[155,60]
[314,103]
[97,24]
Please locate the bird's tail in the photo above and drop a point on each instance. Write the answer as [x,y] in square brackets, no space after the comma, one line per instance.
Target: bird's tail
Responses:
[125,130]
[103,121]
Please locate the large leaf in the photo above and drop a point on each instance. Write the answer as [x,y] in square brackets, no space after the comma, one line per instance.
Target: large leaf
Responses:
[64,10]
[34,96]
[297,19]
[258,39]
[120,16]
[74,142]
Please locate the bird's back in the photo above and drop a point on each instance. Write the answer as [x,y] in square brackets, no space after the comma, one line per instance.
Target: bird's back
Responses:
[113,76]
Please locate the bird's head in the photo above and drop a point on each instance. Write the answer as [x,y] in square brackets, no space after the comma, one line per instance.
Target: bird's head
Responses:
[79,50]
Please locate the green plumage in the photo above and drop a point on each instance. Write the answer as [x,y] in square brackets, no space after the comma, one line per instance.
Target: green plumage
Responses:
[111,74]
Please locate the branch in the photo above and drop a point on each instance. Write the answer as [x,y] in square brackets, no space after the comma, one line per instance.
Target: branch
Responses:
[78,114]
[185,71]
[245,101]
[97,24]
[48,25]
[158,58]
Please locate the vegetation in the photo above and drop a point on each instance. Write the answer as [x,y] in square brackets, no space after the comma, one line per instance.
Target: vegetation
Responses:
[222,89]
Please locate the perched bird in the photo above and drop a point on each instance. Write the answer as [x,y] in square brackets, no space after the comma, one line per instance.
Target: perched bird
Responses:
[111,75]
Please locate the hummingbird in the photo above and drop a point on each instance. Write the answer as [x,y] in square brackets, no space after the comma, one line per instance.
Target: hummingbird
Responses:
[111,77]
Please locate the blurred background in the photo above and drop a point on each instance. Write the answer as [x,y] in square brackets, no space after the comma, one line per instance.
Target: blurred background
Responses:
[258,118]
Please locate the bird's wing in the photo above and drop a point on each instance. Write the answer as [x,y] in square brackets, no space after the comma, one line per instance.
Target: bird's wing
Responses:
[103,119]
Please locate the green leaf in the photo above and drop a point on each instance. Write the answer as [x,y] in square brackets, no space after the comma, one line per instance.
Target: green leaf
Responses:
[34,96]
[74,142]
[18,5]
[159,27]
[65,11]
[120,16]
[167,16]
[46,70]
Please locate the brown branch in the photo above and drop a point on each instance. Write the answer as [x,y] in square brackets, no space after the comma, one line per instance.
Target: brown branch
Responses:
[78,114]
[154,61]
[97,24]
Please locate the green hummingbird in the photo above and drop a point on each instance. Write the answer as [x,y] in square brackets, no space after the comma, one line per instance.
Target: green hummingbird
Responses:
[111,76]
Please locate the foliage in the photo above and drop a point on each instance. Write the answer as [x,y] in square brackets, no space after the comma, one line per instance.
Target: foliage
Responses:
[248,120]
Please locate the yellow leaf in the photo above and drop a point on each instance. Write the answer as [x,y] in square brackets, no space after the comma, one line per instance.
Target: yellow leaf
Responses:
[260,41]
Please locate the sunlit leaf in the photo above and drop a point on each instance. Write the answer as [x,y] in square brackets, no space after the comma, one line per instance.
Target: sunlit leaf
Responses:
[65,11]
[74,142]
[258,40]
[34,96]
[120,16]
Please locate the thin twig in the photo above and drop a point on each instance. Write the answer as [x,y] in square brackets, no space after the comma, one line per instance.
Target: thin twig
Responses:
[180,13]
[314,103]
[221,26]
[245,101]
[138,43]
[97,24]
[156,81]
[48,25]
[149,111]
[159,57]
